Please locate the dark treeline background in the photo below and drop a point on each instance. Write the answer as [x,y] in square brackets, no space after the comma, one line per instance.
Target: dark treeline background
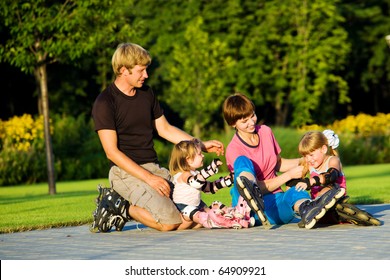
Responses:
[302,62]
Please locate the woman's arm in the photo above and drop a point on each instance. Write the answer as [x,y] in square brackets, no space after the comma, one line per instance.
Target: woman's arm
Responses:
[287,164]
[270,185]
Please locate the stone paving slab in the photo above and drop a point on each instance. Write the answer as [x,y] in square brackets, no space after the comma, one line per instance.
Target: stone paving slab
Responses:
[287,242]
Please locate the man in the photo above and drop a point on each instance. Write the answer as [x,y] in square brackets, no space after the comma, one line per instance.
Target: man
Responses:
[126,114]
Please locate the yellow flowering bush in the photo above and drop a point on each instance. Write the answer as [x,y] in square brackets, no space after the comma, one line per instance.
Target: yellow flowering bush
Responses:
[77,151]
[360,125]
[364,125]
[19,133]
[22,156]
[365,139]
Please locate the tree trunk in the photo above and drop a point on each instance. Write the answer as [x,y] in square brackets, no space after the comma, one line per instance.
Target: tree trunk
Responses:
[196,131]
[280,114]
[41,76]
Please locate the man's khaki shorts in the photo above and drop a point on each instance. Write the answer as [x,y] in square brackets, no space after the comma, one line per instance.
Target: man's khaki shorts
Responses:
[140,194]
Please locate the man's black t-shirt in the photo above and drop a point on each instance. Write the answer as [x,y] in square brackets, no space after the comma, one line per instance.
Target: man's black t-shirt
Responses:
[132,117]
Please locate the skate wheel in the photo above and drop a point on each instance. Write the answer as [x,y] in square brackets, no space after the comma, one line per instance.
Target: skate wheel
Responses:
[252,222]
[362,217]
[247,194]
[349,211]
[330,204]
[374,222]
[237,226]
[93,229]
[254,205]
[239,216]
[311,224]
[320,215]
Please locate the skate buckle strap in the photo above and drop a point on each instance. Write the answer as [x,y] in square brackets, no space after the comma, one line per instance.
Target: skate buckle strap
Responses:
[118,203]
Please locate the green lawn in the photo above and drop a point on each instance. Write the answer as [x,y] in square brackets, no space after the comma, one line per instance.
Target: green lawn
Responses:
[30,207]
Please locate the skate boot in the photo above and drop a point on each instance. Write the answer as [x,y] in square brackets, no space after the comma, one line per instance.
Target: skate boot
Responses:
[101,215]
[327,200]
[332,195]
[111,211]
[119,207]
[242,210]
[229,213]
[245,223]
[253,196]
[213,220]
[218,207]
[352,214]
[313,210]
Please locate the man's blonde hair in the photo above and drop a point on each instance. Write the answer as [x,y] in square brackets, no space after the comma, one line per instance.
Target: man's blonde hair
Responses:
[129,55]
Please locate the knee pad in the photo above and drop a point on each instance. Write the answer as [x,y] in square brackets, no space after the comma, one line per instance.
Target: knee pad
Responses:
[189,211]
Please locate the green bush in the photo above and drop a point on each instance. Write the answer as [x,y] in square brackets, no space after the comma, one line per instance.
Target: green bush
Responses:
[364,139]
[78,154]
[77,150]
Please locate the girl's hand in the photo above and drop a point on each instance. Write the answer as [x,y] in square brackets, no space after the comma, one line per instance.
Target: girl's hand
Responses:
[301,186]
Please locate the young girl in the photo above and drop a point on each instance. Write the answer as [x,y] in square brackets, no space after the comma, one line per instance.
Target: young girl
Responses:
[322,162]
[188,182]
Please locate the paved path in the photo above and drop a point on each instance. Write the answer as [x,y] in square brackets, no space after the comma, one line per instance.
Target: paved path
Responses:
[287,242]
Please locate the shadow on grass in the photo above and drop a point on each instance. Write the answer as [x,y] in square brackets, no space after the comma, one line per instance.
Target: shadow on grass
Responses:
[36,197]
[364,199]
[379,174]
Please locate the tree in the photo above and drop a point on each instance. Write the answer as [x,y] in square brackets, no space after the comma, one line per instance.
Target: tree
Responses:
[198,71]
[367,24]
[42,32]
[295,52]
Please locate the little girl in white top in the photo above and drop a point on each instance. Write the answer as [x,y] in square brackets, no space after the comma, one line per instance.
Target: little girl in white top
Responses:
[186,158]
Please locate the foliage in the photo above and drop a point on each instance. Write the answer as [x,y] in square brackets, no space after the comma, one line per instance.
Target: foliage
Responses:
[198,73]
[21,133]
[43,32]
[292,57]
[79,154]
[287,55]
[21,150]
[368,75]
[364,139]
[299,47]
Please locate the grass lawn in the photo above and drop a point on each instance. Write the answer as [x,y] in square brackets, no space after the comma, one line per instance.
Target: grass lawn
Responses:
[30,207]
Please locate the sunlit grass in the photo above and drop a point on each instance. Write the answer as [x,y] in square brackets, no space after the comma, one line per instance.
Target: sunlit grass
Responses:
[30,207]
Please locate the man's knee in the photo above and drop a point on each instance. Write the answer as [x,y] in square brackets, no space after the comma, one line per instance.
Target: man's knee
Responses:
[165,227]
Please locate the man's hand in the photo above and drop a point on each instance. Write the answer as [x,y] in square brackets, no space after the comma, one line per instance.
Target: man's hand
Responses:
[159,184]
[213,146]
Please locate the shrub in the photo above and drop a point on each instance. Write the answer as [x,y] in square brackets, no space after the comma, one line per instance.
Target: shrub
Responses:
[364,139]
[22,157]
[77,150]
[79,155]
